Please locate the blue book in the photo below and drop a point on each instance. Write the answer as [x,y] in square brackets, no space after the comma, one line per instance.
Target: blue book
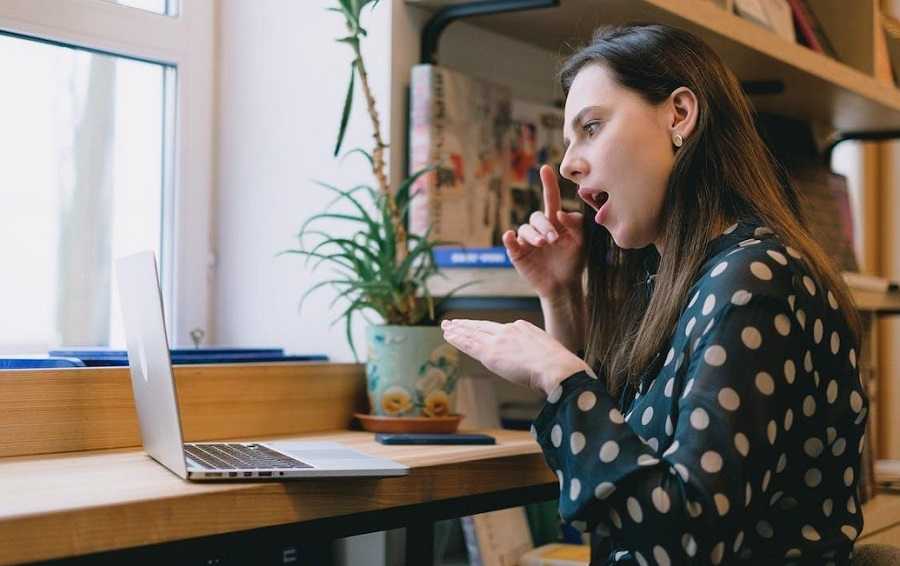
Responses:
[455,256]
[39,362]
[95,357]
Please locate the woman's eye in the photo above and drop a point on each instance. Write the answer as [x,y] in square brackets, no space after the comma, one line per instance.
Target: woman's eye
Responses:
[591,128]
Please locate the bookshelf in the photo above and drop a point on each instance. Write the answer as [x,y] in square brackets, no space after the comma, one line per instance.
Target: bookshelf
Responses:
[504,283]
[844,95]
[848,97]
[851,97]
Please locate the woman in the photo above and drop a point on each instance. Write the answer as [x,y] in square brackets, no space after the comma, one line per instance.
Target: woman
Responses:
[717,416]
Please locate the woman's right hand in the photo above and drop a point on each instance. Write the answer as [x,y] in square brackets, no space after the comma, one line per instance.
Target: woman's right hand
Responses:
[548,251]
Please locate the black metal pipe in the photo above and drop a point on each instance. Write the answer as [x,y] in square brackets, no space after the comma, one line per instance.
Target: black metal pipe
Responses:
[431,33]
[859,136]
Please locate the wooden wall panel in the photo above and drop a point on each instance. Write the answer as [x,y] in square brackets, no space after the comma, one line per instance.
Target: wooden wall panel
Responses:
[888,335]
[46,411]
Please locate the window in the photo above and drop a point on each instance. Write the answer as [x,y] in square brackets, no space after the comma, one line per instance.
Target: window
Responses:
[83,184]
[102,100]
[164,7]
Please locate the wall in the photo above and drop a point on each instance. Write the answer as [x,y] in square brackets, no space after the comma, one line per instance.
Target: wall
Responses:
[283,79]
[281,88]
[889,327]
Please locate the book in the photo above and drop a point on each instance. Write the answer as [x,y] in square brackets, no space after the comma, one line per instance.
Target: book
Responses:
[753,10]
[809,29]
[486,148]
[781,20]
[557,554]
[100,356]
[891,29]
[452,256]
[825,202]
[497,538]
[459,126]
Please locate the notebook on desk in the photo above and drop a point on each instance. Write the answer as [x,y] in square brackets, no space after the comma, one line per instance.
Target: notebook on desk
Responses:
[160,422]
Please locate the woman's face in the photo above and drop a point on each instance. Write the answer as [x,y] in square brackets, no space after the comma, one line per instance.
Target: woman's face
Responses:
[619,152]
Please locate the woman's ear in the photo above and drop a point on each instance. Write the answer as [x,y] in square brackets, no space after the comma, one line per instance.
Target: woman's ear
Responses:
[683,111]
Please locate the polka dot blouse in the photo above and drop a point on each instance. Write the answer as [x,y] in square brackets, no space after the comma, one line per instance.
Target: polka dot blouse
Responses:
[744,447]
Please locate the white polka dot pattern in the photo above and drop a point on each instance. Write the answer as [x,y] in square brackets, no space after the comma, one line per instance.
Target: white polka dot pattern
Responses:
[715,355]
[719,269]
[729,399]
[709,304]
[761,271]
[755,400]
[577,442]
[699,419]
[661,500]
[587,400]
[609,451]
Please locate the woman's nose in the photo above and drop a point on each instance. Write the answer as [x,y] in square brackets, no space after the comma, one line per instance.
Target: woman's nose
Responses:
[572,168]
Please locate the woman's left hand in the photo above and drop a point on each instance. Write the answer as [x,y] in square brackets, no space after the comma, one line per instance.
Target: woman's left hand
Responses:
[519,352]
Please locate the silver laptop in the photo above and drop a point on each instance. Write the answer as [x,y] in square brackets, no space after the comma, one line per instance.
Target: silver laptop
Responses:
[157,405]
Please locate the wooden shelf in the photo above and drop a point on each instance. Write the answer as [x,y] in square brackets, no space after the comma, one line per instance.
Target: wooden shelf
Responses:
[876,302]
[817,88]
[502,283]
[491,282]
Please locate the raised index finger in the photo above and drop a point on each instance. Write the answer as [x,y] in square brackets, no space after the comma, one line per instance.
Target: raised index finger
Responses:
[551,193]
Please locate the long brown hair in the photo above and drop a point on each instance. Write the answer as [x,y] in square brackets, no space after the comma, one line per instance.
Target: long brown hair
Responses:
[722,173]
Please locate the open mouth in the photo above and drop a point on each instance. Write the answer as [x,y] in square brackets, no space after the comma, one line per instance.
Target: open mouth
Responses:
[595,200]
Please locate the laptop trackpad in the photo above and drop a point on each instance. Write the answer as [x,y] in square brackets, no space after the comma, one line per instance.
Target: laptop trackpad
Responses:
[323,454]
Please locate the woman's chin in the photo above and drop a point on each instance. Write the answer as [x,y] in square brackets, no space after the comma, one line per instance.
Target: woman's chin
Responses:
[628,240]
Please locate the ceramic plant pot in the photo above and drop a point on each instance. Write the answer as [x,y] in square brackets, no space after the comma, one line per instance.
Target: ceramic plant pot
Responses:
[410,372]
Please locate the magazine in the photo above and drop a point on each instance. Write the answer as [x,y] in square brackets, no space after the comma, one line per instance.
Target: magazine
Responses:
[486,149]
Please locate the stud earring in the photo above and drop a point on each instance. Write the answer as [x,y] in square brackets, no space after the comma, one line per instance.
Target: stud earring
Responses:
[677,140]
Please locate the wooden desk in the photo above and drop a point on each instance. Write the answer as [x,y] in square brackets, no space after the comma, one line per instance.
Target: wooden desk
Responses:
[102,494]
[68,505]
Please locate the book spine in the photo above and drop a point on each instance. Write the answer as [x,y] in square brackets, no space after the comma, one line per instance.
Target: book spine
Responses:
[817,28]
[424,82]
[454,256]
[474,553]
[804,26]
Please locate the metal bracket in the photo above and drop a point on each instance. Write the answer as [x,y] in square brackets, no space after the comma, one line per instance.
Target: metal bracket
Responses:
[431,33]
[839,137]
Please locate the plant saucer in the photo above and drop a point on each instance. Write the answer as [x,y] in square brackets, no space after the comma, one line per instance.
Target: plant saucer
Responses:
[375,423]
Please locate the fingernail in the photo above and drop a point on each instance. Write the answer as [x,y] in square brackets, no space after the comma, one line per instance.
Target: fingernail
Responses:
[551,237]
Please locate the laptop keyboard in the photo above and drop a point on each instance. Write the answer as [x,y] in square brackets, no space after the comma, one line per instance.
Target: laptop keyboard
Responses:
[240,456]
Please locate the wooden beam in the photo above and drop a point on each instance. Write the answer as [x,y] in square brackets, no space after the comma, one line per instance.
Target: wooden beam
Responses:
[47,411]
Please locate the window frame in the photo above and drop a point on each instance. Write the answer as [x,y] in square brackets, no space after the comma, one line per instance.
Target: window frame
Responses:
[185,41]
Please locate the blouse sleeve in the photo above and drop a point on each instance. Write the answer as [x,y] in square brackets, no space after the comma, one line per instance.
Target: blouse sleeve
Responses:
[746,385]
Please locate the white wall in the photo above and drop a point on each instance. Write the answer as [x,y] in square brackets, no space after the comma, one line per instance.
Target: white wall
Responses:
[282,80]
[282,84]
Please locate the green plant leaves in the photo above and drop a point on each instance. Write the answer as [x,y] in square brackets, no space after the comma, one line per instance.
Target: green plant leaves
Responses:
[348,105]
[372,270]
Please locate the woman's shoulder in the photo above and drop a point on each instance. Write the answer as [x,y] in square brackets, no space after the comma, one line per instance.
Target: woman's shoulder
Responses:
[756,265]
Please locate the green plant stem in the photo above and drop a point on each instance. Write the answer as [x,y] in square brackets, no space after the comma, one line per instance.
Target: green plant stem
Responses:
[378,159]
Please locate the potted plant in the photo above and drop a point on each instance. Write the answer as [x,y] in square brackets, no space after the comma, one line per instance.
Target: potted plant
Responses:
[379,268]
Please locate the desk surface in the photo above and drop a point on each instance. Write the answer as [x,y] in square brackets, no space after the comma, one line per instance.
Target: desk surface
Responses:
[80,503]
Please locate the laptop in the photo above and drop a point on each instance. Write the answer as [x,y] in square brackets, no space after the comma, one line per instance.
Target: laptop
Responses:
[157,405]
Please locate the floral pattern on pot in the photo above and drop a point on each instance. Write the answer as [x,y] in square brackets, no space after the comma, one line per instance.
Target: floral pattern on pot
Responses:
[410,371]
